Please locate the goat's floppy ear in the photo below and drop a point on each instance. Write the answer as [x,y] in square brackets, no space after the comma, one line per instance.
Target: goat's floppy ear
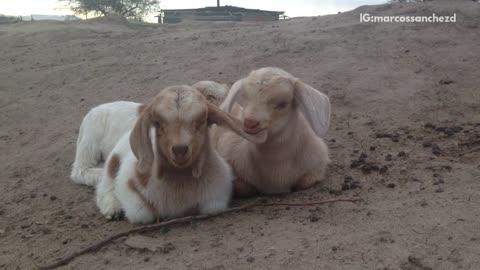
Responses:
[314,105]
[141,144]
[226,120]
[197,169]
[234,96]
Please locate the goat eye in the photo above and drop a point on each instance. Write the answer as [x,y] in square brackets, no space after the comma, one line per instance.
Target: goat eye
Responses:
[210,97]
[281,105]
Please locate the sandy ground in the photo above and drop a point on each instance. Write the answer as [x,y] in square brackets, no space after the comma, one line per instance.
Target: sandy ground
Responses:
[405,138]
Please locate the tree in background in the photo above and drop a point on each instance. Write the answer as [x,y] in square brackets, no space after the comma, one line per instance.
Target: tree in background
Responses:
[130,9]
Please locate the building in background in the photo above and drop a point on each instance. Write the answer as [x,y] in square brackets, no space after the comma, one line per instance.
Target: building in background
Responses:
[219,13]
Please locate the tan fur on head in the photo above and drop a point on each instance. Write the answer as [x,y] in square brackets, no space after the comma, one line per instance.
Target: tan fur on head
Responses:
[268,97]
[289,119]
[179,116]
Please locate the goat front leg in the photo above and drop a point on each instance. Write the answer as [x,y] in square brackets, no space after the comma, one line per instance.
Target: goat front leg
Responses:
[310,179]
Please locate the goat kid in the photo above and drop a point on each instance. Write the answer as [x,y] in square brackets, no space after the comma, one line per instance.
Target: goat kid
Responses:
[104,125]
[289,118]
[165,166]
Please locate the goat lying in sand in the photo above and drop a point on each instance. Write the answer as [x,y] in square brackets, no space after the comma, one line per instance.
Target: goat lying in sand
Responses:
[165,167]
[105,124]
[290,118]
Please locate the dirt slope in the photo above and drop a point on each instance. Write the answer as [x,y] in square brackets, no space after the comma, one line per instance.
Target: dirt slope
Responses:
[405,128]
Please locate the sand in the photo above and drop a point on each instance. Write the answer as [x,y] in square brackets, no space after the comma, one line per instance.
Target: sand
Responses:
[405,138]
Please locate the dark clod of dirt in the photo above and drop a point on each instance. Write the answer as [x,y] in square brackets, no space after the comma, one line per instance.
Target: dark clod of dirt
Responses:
[53,198]
[393,137]
[383,135]
[167,248]
[388,157]
[372,148]
[355,163]
[366,167]
[333,140]
[383,169]
[416,262]
[430,126]
[349,183]
[446,82]
[335,192]
[438,182]
[427,144]
[250,259]
[313,218]
[439,190]
[146,259]
[436,150]
[391,185]
[447,167]
[401,154]
[369,167]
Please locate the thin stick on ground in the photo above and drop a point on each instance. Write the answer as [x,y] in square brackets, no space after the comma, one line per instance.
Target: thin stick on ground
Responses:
[152,227]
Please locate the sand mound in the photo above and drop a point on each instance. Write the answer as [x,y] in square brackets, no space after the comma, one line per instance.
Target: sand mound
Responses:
[404,137]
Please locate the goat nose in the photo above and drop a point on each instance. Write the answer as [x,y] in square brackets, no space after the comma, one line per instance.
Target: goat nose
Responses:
[180,150]
[248,123]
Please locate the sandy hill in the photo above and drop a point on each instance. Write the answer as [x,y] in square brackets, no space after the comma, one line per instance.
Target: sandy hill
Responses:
[405,97]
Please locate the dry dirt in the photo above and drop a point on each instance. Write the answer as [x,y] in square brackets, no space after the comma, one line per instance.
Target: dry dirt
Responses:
[405,138]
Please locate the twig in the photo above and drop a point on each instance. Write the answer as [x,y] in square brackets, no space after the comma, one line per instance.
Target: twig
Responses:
[469,151]
[152,227]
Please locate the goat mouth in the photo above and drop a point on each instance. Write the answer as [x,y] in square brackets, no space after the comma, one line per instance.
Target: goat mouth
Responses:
[253,131]
[181,163]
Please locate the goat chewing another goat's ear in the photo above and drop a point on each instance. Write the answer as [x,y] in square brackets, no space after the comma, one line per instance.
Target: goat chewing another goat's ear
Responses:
[290,118]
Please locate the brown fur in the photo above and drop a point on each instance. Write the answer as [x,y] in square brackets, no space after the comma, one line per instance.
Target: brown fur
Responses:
[142,178]
[292,155]
[114,166]
[161,113]
[141,108]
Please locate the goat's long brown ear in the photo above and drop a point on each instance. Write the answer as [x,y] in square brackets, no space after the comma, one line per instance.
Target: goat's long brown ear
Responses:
[314,105]
[141,144]
[197,169]
[226,120]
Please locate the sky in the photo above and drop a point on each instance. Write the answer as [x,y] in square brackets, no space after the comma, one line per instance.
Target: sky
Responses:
[292,8]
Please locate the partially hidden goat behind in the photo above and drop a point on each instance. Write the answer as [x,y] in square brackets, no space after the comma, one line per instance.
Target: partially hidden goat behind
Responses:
[165,166]
[105,124]
[290,118]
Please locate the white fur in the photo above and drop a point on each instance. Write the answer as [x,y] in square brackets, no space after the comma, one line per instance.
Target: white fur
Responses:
[210,194]
[100,130]
[105,124]
[162,189]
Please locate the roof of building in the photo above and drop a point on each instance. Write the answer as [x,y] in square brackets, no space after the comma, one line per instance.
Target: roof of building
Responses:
[223,8]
